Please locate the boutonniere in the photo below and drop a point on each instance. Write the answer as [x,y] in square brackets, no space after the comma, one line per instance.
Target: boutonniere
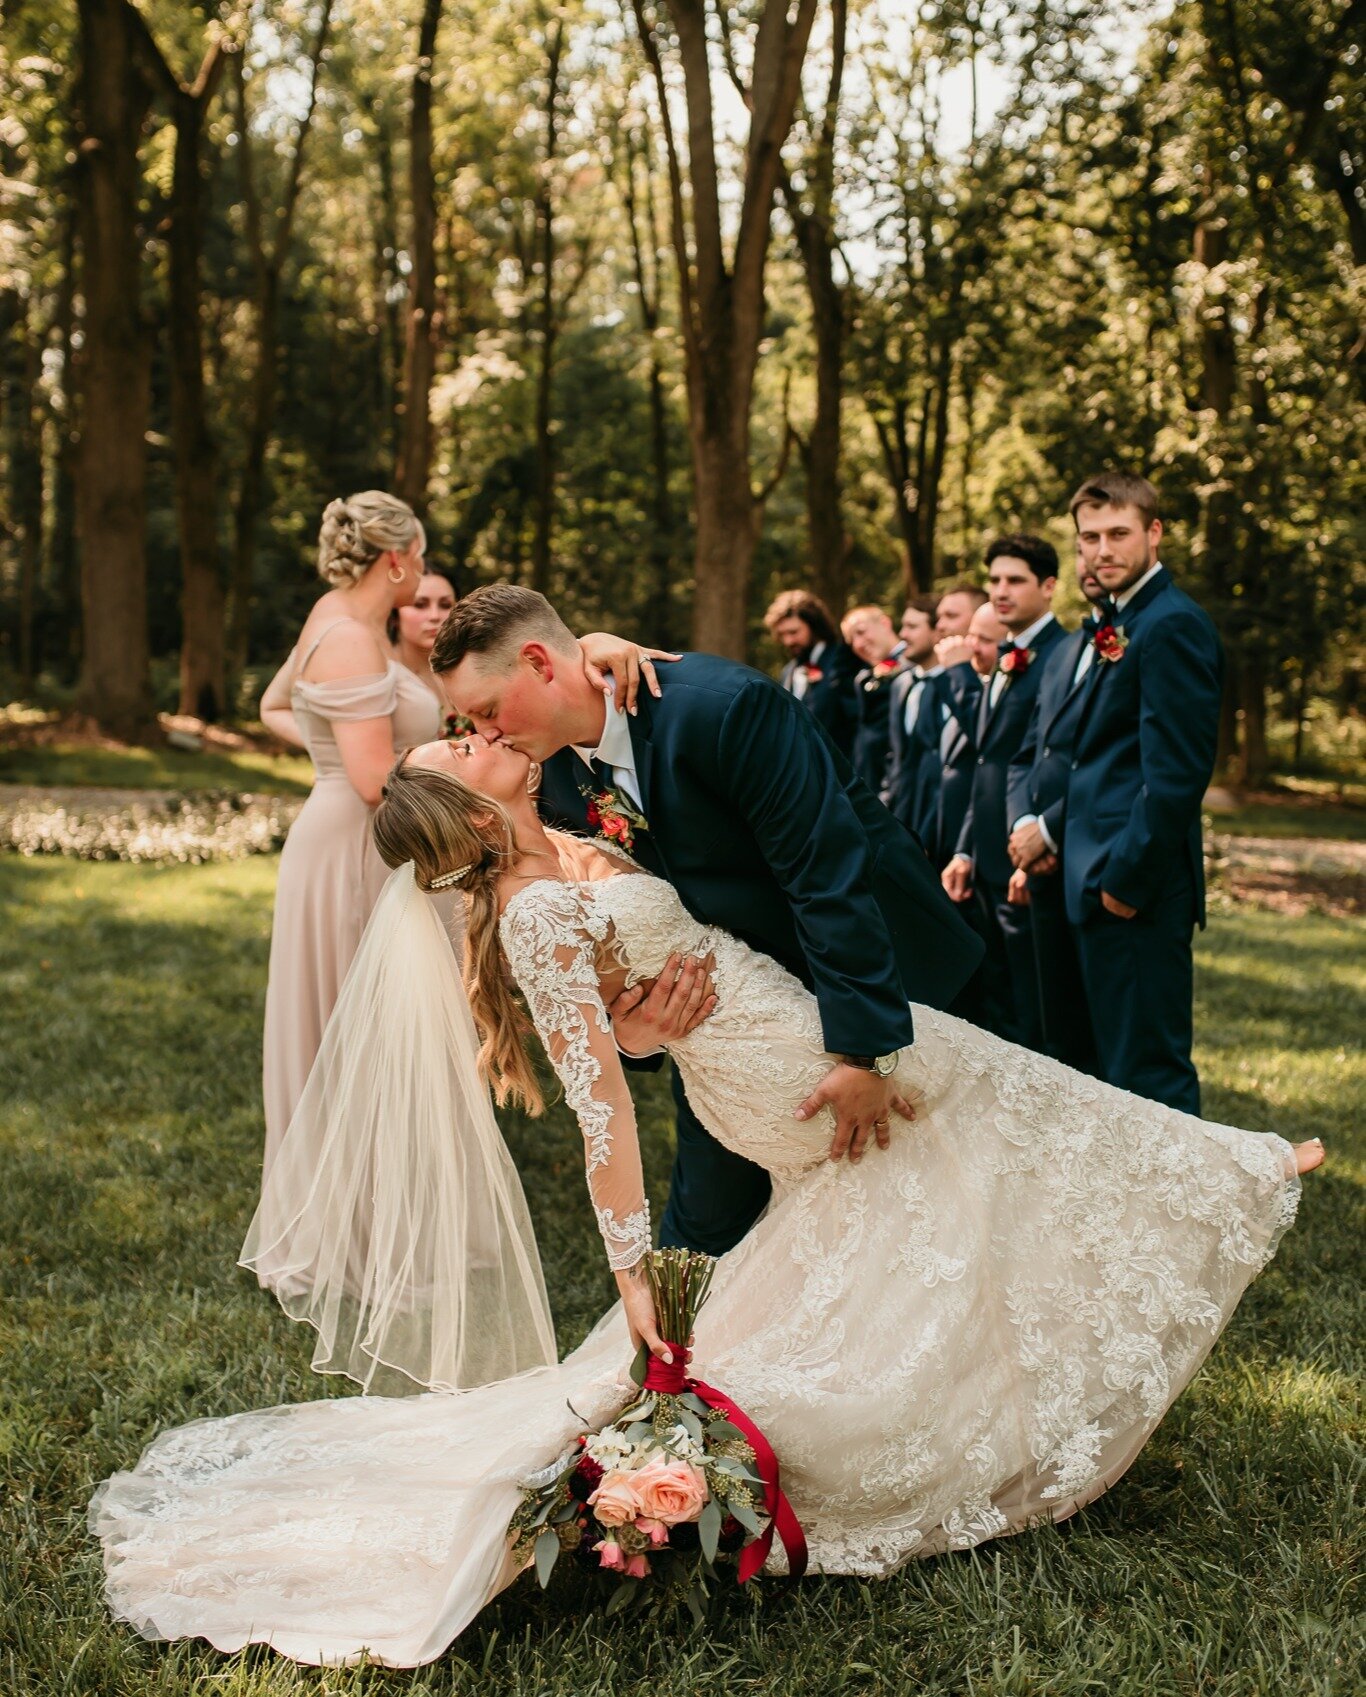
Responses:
[613,817]
[813,674]
[1110,642]
[883,670]
[1015,660]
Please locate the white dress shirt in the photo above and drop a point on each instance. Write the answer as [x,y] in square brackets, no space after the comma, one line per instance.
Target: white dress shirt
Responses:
[615,752]
[1023,640]
[800,682]
[915,694]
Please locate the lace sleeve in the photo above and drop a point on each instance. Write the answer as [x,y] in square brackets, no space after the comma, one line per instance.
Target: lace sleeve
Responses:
[550,933]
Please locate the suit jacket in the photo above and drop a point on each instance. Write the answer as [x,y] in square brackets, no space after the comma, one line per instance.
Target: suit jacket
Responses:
[1143,757]
[906,750]
[873,696]
[833,696]
[1040,768]
[944,778]
[1000,731]
[761,826]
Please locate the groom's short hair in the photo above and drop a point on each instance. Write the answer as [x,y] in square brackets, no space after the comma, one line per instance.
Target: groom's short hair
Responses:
[1116,489]
[494,622]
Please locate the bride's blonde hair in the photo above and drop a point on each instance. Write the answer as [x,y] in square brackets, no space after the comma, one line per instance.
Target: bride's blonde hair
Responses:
[443,826]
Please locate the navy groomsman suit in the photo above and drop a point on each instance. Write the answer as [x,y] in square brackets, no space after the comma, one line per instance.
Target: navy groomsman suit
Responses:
[873,735]
[825,685]
[914,694]
[1010,974]
[1143,757]
[763,829]
[945,731]
[1036,789]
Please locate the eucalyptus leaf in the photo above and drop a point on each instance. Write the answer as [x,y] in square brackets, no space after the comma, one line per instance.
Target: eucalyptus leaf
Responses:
[690,1424]
[719,1430]
[709,1528]
[743,1511]
[621,1596]
[547,1553]
[639,1365]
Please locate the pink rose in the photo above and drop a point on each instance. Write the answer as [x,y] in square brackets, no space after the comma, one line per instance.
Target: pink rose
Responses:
[655,1530]
[670,1491]
[637,1568]
[609,1553]
[616,1499]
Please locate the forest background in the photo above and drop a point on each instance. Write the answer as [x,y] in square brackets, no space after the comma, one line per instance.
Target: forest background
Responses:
[661,307]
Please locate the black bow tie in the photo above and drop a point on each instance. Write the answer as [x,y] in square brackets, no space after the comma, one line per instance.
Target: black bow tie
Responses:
[1006,647]
[1105,614]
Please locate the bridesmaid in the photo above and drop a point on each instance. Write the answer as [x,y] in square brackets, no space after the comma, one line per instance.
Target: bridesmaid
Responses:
[345,698]
[412,631]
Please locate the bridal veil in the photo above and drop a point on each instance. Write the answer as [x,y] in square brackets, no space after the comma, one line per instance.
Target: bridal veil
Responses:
[392,1218]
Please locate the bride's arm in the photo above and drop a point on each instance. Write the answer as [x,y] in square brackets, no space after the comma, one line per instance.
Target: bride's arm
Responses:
[553,958]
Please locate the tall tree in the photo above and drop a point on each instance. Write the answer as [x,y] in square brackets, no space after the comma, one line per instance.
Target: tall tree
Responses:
[269,255]
[721,299]
[419,362]
[203,668]
[112,99]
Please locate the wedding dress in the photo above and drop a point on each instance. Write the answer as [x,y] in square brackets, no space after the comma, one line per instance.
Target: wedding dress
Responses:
[975,1330]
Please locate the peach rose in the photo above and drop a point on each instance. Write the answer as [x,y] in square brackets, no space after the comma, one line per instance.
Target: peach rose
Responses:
[637,1568]
[616,1500]
[670,1491]
[655,1530]
[609,1554]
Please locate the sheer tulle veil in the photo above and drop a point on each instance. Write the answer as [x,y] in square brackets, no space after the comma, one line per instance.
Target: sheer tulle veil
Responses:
[392,1218]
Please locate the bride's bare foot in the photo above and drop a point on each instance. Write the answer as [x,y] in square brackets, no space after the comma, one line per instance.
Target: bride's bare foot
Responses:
[1308,1156]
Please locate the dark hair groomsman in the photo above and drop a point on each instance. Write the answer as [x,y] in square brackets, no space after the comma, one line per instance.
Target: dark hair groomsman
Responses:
[1143,755]
[912,693]
[873,638]
[820,668]
[1022,573]
[1036,799]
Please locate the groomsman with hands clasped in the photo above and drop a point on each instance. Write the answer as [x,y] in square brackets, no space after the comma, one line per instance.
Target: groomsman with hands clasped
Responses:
[1022,574]
[1142,718]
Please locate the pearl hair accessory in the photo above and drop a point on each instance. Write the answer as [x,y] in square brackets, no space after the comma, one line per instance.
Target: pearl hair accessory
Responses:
[446,879]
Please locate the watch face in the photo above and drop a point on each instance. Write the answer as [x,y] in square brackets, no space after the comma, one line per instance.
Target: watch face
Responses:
[886,1064]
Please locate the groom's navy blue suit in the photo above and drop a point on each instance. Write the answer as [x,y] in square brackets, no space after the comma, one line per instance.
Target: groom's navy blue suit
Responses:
[762,827]
[1142,758]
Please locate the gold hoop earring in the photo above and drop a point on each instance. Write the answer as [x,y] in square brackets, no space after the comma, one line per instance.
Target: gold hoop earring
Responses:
[402,573]
[533,778]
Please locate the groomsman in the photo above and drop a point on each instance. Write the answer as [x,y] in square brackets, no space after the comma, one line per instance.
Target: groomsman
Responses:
[873,638]
[1022,574]
[1132,863]
[955,691]
[820,668]
[912,693]
[1036,798]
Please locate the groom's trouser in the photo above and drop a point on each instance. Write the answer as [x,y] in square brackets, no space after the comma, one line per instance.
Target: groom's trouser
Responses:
[715,1196]
[1139,977]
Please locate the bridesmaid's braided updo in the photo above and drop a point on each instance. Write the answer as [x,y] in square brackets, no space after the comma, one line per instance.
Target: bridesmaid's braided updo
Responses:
[356,531]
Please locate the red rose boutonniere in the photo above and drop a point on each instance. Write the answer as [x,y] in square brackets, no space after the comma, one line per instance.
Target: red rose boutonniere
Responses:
[613,817]
[1110,642]
[883,670]
[813,674]
[1016,660]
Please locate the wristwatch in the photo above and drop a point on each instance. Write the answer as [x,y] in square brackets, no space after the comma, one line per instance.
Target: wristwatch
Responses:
[883,1065]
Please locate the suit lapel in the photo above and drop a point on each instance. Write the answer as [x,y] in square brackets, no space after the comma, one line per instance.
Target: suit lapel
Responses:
[643,748]
[1076,648]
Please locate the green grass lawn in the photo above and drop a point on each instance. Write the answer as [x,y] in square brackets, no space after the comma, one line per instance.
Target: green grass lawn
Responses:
[81,765]
[1229,1560]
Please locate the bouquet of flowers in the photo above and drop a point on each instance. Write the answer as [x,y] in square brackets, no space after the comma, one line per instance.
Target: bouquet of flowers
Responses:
[678,1483]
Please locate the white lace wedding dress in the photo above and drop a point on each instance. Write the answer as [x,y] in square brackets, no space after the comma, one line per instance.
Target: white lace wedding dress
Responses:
[945,1342]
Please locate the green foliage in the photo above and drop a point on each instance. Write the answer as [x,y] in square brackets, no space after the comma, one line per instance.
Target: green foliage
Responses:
[1228,1560]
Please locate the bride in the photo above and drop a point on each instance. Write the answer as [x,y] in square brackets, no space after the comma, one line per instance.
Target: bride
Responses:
[971,1332]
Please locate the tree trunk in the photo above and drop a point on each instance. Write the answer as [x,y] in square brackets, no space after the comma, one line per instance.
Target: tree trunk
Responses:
[20,370]
[419,359]
[203,659]
[544,508]
[826,540]
[251,489]
[112,99]
[64,567]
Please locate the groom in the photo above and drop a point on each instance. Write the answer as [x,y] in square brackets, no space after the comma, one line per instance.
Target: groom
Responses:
[748,810]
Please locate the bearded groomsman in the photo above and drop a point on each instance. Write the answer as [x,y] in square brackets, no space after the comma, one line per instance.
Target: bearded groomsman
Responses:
[1036,801]
[1022,574]
[873,638]
[1143,755]
[820,669]
[911,693]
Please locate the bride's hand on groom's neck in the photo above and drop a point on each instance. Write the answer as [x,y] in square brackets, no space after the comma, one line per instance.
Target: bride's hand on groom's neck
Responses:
[627,662]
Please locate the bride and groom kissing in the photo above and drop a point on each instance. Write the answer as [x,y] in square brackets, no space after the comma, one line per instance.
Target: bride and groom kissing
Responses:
[1026,1275]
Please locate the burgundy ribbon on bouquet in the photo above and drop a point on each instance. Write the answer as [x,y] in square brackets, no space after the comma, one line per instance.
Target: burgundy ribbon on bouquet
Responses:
[670,1378]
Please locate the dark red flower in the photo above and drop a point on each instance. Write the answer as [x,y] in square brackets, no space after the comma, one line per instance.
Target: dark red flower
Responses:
[1016,659]
[814,674]
[1110,643]
[585,1478]
[594,817]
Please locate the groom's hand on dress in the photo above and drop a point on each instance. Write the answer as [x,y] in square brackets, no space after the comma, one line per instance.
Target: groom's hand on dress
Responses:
[651,1015]
[862,1103]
